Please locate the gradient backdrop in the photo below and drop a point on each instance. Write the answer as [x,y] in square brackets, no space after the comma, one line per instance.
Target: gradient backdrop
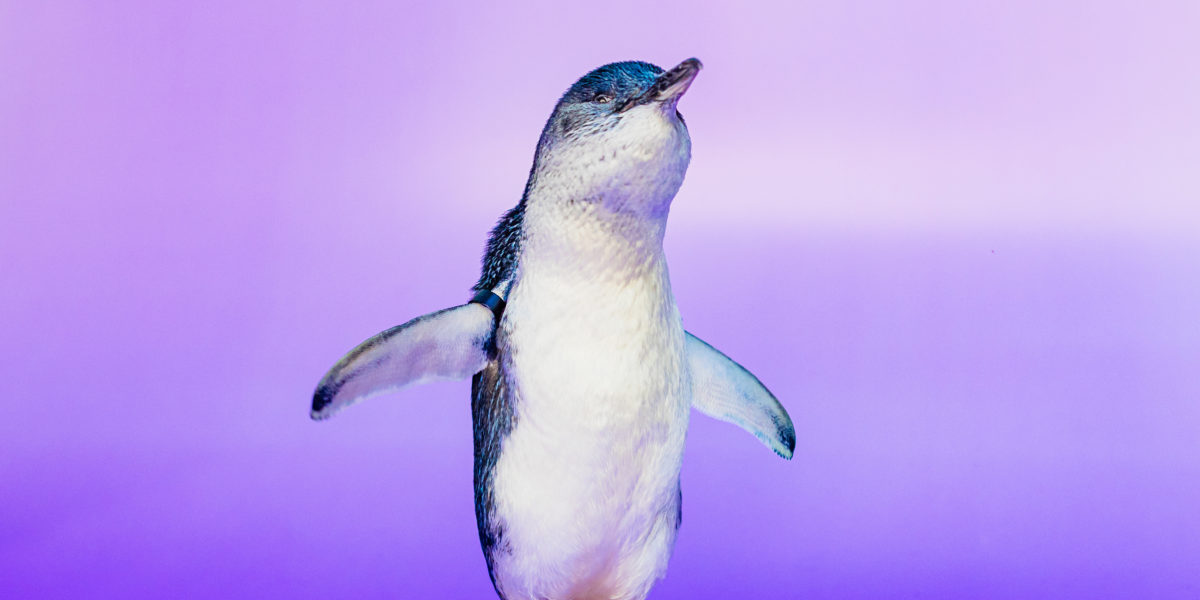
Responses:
[960,243]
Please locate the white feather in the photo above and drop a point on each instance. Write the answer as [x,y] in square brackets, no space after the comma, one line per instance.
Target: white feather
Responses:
[587,483]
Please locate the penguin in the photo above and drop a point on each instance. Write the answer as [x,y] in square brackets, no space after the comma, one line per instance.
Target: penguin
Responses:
[583,378]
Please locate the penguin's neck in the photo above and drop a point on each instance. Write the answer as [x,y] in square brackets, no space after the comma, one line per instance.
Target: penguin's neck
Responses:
[587,238]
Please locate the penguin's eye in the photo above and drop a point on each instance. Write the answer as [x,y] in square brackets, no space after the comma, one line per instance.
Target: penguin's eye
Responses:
[602,98]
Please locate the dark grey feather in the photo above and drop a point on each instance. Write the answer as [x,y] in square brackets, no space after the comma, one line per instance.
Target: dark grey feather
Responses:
[493,418]
[504,244]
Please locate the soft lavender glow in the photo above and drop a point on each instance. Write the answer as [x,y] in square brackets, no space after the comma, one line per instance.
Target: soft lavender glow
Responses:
[959,243]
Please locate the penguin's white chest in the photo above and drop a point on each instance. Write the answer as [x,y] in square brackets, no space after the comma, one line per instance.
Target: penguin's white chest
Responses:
[586,484]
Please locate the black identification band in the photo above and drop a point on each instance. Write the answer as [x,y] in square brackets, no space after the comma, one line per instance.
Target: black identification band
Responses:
[489,299]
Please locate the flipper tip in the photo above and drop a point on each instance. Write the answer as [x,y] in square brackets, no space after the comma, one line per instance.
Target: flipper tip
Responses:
[787,435]
[322,400]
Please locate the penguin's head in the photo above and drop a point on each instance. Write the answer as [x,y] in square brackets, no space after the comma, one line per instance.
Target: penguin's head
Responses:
[616,139]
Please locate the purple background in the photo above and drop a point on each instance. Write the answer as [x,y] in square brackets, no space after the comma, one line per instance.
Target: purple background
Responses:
[959,243]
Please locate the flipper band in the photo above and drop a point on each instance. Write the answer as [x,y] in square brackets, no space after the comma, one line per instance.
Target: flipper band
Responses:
[491,300]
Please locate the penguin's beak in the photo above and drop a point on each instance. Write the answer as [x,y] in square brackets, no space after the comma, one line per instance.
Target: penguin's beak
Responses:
[669,86]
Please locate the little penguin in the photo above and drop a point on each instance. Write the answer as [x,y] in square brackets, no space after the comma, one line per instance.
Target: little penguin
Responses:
[582,376]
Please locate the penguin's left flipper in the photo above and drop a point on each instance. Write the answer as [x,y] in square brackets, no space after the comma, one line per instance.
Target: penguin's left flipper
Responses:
[452,343]
[725,390]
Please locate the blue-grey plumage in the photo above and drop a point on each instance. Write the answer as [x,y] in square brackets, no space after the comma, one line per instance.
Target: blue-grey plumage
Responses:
[584,381]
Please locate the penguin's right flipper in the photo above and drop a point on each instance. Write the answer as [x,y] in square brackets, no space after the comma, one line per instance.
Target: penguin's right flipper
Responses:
[452,343]
[726,391]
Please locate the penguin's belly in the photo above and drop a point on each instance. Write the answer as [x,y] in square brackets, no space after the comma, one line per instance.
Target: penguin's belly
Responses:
[587,484]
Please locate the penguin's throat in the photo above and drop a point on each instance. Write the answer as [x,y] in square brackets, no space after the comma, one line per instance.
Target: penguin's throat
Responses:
[636,173]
